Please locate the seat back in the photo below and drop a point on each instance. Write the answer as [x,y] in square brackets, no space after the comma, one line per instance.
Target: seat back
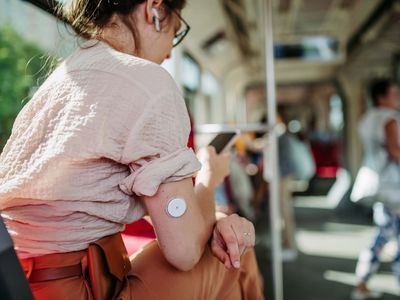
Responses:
[13,283]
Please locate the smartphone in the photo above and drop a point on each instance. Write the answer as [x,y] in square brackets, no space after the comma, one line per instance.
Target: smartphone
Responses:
[223,141]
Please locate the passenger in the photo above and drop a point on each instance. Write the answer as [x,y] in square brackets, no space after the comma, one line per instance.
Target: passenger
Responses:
[379,131]
[295,163]
[103,142]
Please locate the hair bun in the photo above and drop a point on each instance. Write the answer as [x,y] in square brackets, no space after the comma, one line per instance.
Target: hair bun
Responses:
[88,17]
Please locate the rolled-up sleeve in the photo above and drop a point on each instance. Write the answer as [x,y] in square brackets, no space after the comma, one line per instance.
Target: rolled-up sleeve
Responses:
[156,148]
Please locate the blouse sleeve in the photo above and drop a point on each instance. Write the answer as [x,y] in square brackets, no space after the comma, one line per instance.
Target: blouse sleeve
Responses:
[156,149]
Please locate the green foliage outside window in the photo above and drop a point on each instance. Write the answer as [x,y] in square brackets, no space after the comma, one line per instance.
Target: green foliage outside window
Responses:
[21,68]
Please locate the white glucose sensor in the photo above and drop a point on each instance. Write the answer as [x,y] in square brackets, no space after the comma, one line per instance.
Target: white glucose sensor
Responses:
[176,207]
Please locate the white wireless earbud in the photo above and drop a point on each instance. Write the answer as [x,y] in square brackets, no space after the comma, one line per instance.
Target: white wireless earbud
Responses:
[156,19]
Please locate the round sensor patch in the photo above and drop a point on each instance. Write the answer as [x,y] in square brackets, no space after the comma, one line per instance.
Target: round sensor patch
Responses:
[176,207]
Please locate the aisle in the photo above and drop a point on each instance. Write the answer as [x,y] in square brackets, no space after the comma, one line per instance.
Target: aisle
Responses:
[329,243]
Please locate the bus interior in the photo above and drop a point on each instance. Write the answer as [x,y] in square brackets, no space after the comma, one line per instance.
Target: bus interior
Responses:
[325,53]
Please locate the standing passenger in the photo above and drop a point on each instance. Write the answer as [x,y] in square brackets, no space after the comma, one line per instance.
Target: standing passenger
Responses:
[102,143]
[379,131]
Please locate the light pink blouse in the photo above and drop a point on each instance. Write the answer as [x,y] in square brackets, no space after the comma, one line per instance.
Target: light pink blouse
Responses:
[104,129]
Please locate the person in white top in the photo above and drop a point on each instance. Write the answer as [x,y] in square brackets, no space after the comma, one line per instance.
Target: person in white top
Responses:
[379,132]
[103,142]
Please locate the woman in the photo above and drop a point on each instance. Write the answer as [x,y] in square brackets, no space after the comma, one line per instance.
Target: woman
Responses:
[379,131]
[101,143]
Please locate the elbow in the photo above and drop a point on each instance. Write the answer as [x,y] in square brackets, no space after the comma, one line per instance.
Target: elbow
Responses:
[394,153]
[183,265]
[185,258]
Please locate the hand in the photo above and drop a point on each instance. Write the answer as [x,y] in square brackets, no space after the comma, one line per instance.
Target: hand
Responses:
[232,235]
[215,167]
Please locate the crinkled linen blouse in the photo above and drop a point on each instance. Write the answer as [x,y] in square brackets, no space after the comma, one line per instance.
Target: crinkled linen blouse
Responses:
[103,130]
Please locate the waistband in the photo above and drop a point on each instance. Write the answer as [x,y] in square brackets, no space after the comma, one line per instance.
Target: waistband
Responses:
[55,266]
[109,251]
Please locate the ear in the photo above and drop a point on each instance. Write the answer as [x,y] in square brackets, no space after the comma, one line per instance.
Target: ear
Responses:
[150,4]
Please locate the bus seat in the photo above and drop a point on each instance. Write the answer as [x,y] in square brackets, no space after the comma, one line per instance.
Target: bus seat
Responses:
[137,235]
[13,283]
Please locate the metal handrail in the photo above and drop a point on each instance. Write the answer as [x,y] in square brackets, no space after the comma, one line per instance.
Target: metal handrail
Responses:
[242,128]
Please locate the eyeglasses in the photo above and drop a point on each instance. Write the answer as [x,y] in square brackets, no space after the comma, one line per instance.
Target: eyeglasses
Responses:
[180,35]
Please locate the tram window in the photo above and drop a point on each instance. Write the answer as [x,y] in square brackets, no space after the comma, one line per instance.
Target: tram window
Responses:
[310,48]
[211,90]
[336,119]
[324,48]
[169,64]
[209,84]
[191,73]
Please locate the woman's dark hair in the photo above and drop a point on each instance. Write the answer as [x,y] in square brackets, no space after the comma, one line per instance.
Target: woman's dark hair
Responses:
[88,17]
[378,88]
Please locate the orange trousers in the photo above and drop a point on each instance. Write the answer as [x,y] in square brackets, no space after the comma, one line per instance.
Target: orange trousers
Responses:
[152,277]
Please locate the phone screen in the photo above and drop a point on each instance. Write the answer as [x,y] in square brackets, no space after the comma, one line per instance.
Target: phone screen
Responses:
[222,140]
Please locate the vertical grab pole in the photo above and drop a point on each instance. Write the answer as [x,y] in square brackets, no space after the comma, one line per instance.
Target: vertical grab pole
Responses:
[272,155]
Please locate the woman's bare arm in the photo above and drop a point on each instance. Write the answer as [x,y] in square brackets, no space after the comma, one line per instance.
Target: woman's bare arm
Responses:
[182,239]
[392,139]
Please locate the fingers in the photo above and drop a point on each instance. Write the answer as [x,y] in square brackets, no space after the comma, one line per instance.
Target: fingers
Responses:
[244,230]
[233,245]
[245,234]
[214,167]
[225,159]
[252,237]
[249,234]
[237,234]
[218,249]
[220,253]
[203,154]
[209,153]
[211,150]
[225,154]
[218,246]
